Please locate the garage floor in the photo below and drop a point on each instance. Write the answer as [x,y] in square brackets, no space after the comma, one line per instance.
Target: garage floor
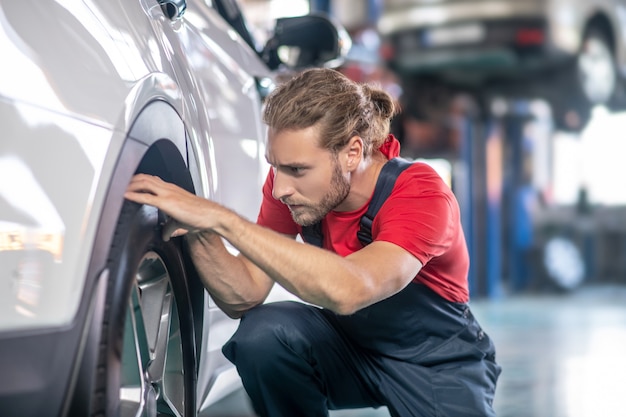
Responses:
[562,356]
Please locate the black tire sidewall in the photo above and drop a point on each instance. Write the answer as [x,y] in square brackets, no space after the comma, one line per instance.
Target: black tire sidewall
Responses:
[137,233]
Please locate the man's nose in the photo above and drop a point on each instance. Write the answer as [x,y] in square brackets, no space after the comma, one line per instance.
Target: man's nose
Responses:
[282,186]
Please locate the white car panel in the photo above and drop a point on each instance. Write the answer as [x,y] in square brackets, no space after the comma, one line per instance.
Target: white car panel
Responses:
[43,229]
[92,91]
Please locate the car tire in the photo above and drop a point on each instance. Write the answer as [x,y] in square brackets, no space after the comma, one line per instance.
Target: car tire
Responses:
[589,80]
[596,68]
[147,361]
[563,263]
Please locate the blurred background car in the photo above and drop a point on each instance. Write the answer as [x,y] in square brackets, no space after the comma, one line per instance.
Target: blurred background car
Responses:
[99,316]
[571,53]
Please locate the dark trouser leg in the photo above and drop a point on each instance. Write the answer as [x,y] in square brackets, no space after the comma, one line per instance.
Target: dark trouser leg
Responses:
[432,357]
[414,352]
[293,362]
[457,388]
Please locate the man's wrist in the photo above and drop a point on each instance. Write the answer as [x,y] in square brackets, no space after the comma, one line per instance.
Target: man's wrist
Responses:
[201,237]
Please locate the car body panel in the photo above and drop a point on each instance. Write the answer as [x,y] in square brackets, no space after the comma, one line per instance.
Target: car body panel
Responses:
[86,87]
[90,92]
[565,20]
[43,234]
[96,122]
[402,15]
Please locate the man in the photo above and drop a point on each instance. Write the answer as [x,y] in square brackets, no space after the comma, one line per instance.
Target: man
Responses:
[383,325]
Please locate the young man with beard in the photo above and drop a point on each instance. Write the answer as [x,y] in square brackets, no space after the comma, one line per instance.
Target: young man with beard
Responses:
[386,324]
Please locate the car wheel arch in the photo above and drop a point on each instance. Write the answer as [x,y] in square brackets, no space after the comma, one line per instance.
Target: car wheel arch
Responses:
[156,144]
[601,22]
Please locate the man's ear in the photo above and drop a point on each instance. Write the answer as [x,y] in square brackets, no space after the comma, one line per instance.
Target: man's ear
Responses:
[354,152]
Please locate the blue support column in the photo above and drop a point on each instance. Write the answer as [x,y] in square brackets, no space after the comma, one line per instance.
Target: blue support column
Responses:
[518,191]
[479,189]
[494,155]
[374,10]
[493,193]
[464,193]
[320,6]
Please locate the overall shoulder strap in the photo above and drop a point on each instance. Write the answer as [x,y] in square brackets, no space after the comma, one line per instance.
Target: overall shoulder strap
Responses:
[386,180]
[385,183]
[313,234]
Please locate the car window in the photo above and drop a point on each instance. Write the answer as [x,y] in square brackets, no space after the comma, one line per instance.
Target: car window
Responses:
[230,11]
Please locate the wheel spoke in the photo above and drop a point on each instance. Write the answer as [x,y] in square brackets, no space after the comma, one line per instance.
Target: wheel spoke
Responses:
[133,390]
[152,279]
[173,377]
[152,383]
[159,349]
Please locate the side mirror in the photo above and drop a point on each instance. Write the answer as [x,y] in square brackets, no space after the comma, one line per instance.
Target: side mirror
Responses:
[173,9]
[312,40]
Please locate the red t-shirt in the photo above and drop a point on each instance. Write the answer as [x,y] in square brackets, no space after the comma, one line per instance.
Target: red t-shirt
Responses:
[421,215]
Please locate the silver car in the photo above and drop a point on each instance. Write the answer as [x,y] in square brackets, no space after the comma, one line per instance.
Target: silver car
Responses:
[571,52]
[99,316]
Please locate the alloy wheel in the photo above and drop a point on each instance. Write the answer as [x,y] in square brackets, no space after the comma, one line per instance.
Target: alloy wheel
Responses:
[152,379]
[596,68]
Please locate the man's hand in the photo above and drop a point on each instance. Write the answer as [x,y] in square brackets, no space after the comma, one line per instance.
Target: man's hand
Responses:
[188,213]
[228,278]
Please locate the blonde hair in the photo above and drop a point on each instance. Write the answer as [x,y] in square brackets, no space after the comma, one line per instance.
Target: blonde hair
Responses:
[337,106]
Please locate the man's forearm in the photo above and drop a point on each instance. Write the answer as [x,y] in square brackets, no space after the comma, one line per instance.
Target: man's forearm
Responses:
[224,275]
[313,274]
[238,283]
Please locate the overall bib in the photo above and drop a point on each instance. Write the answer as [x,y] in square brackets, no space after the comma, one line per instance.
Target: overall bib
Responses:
[415,353]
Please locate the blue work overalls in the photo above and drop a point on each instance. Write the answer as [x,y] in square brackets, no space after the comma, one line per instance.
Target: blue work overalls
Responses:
[415,353]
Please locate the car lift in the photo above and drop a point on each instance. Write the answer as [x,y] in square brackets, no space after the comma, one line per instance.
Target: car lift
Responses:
[492,189]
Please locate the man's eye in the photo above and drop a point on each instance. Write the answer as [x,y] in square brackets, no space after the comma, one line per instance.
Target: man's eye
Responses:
[296,170]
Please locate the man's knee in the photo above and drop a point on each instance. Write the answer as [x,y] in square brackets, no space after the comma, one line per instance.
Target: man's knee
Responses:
[264,331]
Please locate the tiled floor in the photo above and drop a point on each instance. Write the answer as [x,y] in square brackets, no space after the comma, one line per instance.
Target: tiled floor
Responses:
[562,356]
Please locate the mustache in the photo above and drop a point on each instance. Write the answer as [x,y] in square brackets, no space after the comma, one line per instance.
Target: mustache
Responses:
[291,203]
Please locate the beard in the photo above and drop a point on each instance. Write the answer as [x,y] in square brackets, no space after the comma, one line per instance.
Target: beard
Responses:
[309,214]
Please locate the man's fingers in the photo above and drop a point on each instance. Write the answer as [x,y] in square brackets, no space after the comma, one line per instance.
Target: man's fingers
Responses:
[140,197]
[144,189]
[143,183]
[172,200]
